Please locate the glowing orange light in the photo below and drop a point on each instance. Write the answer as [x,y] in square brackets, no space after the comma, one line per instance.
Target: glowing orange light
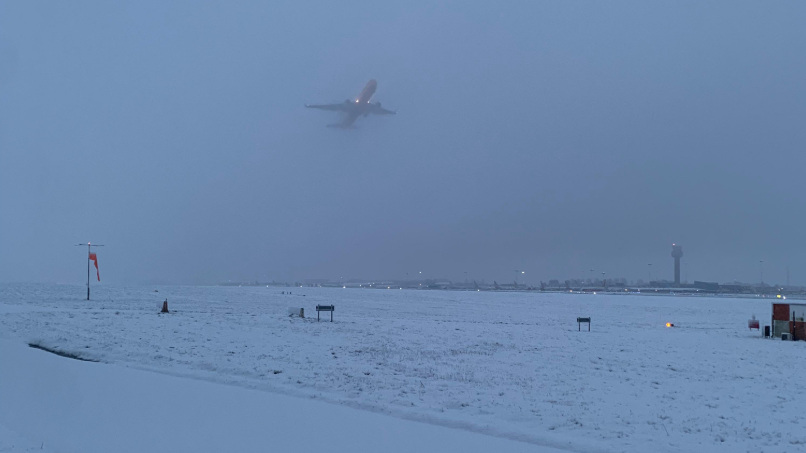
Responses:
[668,324]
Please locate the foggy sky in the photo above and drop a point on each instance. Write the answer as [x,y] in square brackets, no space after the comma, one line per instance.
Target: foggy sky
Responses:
[551,137]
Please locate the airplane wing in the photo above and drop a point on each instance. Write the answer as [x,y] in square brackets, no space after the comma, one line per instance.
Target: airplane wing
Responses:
[383,111]
[340,107]
[347,122]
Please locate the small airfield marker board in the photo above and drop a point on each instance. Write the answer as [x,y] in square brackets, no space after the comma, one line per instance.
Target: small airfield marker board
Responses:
[330,308]
[581,320]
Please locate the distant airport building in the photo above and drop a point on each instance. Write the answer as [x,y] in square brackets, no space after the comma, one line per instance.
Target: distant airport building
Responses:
[677,253]
[706,286]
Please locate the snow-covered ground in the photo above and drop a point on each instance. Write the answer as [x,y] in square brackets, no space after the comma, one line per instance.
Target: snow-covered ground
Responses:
[57,405]
[508,364]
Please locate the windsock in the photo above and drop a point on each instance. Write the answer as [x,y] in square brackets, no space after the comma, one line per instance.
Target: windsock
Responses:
[94,258]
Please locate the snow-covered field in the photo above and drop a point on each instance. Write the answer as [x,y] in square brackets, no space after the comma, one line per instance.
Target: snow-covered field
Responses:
[54,405]
[508,364]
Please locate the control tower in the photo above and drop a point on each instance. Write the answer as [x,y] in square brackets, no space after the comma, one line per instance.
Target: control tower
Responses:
[677,253]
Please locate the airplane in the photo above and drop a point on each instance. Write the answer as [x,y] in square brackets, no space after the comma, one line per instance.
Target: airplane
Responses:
[354,109]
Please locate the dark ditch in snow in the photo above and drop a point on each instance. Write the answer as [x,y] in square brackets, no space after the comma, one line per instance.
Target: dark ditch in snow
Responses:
[60,353]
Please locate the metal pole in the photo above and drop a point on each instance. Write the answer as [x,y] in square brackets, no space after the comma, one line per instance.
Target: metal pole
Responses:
[89,251]
[88,271]
[761,266]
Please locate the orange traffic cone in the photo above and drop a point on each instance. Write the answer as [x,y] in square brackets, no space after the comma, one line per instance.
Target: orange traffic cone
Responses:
[165,306]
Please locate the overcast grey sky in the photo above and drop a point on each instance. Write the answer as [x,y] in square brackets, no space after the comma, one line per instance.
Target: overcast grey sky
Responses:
[552,137]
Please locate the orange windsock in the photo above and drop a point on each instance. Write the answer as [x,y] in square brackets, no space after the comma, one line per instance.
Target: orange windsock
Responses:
[94,258]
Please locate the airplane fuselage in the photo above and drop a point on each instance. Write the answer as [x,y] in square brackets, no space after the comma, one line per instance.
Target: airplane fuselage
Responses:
[367,92]
[361,105]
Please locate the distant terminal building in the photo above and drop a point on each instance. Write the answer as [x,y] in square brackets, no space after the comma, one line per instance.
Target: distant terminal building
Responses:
[706,286]
[735,288]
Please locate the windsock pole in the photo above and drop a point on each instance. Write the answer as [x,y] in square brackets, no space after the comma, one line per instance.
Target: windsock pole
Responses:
[88,270]
[89,245]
